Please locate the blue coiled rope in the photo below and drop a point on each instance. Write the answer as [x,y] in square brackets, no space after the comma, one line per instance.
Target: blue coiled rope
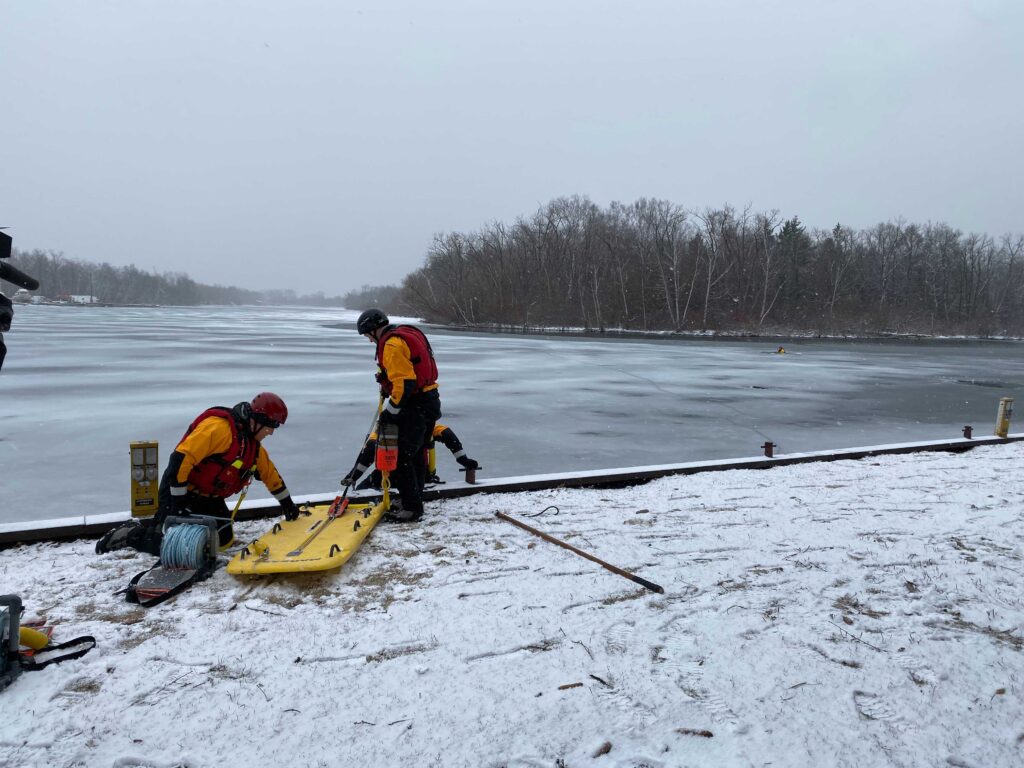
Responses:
[184,546]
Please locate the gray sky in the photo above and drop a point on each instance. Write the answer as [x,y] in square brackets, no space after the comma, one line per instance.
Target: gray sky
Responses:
[321,145]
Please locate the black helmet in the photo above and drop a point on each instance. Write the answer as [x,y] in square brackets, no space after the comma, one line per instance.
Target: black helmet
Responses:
[371,320]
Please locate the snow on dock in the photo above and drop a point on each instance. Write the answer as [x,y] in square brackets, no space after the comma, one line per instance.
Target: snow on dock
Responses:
[847,613]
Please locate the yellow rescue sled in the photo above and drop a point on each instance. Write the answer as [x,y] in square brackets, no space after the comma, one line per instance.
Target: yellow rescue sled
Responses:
[316,541]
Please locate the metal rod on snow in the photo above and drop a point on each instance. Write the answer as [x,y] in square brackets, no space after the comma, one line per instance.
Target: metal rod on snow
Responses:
[614,569]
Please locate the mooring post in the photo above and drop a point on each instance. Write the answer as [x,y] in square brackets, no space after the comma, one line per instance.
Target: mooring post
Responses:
[1003,416]
[769,449]
[967,431]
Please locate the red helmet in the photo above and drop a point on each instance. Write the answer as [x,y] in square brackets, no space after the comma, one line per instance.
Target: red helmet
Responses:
[269,410]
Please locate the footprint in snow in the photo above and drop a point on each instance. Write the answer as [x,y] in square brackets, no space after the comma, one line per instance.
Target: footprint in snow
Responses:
[679,658]
[871,706]
[619,637]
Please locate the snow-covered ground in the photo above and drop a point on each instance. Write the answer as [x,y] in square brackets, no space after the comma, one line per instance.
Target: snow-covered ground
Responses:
[856,613]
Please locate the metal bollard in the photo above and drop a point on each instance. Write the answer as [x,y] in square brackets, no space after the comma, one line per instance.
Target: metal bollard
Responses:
[470,476]
[1003,417]
[769,449]
[968,431]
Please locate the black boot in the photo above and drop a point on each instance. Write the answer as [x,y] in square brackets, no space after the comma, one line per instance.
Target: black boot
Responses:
[116,538]
[145,537]
[399,514]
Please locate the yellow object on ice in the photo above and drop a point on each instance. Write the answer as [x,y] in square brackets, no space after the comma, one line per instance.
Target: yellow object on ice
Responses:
[32,638]
[312,543]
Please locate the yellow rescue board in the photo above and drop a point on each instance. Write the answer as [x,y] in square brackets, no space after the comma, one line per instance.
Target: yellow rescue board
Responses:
[312,543]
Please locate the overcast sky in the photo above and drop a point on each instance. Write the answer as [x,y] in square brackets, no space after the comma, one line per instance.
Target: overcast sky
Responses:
[321,145]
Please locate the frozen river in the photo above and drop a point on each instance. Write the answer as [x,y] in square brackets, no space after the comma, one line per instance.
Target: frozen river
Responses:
[80,383]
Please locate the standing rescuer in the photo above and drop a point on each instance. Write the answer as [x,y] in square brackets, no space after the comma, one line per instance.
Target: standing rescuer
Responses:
[219,454]
[407,375]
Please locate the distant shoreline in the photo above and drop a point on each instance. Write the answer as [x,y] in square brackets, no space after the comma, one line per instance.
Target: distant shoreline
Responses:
[52,303]
[773,336]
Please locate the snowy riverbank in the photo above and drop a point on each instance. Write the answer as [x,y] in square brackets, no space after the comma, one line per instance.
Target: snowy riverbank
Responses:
[862,613]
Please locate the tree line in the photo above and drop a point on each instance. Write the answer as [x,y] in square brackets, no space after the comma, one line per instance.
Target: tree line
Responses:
[654,265]
[386,297]
[61,276]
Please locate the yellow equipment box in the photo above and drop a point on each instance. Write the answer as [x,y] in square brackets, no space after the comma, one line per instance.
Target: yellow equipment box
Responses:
[145,477]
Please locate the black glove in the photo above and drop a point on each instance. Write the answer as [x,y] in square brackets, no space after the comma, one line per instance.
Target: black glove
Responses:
[468,463]
[291,512]
[179,505]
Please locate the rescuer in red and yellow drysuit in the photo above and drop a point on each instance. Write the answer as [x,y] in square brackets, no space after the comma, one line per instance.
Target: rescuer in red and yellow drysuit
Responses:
[220,453]
[407,375]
